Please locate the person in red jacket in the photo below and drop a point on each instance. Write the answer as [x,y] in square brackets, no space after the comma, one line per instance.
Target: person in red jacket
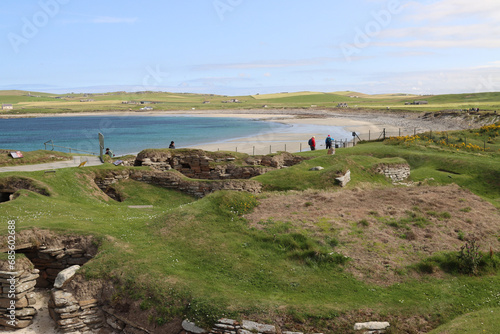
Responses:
[312,143]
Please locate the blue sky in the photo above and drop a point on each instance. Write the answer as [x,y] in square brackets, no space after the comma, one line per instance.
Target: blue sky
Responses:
[251,46]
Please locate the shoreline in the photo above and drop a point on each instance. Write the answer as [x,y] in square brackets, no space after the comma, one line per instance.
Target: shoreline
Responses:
[303,125]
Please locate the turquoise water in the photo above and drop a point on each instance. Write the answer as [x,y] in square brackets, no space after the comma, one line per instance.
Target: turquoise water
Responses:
[131,134]
[125,134]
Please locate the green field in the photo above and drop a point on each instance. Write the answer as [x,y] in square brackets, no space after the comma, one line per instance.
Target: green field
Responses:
[203,259]
[34,102]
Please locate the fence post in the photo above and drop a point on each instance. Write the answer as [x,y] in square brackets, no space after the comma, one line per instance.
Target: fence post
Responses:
[236,149]
[253,150]
[300,147]
[384,133]
[285,147]
[269,149]
[369,135]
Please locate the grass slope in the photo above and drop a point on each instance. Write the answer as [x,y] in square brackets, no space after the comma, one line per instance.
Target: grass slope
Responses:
[202,260]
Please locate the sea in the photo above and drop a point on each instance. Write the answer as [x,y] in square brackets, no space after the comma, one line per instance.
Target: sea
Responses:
[132,134]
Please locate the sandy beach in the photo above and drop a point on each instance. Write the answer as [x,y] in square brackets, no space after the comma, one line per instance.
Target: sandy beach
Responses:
[303,124]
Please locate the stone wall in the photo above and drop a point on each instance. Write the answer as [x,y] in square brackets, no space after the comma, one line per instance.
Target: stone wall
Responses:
[73,315]
[396,173]
[17,294]
[174,180]
[51,260]
[199,164]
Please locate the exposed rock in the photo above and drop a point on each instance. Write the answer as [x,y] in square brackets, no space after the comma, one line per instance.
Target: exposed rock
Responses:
[372,326]
[192,328]
[260,328]
[65,275]
[344,179]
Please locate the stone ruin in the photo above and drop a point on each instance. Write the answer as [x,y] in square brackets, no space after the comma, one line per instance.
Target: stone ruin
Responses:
[196,172]
[198,164]
[394,172]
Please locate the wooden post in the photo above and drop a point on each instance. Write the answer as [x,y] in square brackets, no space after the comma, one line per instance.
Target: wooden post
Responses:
[269,149]
[384,133]
[236,149]
[253,150]
[300,147]
[285,147]
[369,135]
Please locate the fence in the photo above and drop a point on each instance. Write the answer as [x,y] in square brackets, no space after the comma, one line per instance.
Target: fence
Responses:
[301,145]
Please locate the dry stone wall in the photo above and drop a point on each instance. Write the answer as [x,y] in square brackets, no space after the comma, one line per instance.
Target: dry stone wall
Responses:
[17,295]
[396,173]
[174,180]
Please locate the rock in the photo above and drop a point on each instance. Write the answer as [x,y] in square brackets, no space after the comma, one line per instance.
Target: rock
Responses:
[260,328]
[343,180]
[26,312]
[62,299]
[192,328]
[317,168]
[5,302]
[65,275]
[18,323]
[67,309]
[371,325]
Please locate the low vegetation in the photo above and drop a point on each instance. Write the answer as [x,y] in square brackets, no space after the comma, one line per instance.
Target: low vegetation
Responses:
[305,253]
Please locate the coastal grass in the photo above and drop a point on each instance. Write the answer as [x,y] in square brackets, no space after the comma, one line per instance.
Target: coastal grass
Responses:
[202,260]
[32,157]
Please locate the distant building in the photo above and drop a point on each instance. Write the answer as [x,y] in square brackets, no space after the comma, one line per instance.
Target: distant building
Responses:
[420,102]
[146,108]
[86,100]
[146,102]
[7,106]
[342,105]
[206,102]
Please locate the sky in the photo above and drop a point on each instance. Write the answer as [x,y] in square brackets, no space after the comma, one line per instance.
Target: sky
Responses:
[241,47]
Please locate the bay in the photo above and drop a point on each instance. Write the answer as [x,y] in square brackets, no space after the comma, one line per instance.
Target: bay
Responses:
[126,134]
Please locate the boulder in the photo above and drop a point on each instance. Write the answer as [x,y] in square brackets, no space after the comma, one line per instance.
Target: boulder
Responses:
[65,275]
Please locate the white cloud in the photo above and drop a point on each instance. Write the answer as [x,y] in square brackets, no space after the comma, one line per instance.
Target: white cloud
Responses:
[445,10]
[446,24]
[267,64]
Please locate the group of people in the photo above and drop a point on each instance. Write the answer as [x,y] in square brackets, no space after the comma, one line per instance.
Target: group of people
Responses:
[328,142]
